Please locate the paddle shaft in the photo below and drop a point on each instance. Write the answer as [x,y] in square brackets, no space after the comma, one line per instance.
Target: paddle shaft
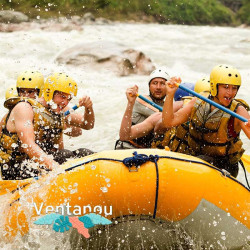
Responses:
[214,103]
[71,110]
[150,102]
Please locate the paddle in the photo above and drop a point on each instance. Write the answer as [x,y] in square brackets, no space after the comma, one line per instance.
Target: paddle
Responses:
[71,110]
[202,98]
[150,102]
[213,103]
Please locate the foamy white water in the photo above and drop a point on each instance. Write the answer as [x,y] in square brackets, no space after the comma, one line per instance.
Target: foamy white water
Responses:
[188,51]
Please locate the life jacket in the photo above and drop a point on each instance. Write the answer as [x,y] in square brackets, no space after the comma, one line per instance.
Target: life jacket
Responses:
[144,141]
[48,128]
[162,141]
[209,135]
[179,142]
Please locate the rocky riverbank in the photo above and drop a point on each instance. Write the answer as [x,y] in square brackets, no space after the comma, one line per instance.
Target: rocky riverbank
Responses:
[11,21]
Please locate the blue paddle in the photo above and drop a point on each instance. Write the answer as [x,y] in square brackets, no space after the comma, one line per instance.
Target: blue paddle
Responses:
[71,110]
[150,102]
[214,103]
[202,98]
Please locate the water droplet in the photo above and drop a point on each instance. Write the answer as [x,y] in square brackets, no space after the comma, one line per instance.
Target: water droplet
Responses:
[93,167]
[24,145]
[223,233]
[107,180]
[73,191]
[108,185]
[104,189]
[54,106]
[27,123]
[215,223]
[99,231]
[14,145]
[143,228]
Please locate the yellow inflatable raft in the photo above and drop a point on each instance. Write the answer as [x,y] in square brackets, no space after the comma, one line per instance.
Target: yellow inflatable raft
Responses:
[165,186]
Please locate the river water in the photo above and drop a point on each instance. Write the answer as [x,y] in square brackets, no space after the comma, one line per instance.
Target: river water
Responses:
[187,51]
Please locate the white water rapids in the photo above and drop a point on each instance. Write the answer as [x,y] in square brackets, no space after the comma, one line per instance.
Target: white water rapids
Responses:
[188,51]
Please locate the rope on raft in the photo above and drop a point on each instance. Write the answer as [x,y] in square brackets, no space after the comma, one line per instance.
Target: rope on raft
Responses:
[137,160]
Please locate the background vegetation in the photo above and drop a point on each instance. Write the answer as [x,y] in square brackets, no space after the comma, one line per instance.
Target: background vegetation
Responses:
[244,12]
[220,12]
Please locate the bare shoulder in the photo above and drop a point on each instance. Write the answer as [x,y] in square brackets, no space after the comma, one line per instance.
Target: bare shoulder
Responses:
[23,109]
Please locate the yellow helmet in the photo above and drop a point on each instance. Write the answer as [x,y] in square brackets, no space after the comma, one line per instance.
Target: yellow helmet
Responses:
[58,82]
[30,80]
[203,84]
[11,92]
[223,74]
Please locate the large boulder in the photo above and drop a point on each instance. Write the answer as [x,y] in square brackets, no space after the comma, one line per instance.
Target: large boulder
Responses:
[8,16]
[107,56]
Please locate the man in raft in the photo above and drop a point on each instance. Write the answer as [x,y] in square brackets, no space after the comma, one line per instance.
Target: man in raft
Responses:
[142,110]
[34,129]
[214,135]
[153,124]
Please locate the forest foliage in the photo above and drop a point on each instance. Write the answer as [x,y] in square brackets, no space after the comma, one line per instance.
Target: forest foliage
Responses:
[219,12]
